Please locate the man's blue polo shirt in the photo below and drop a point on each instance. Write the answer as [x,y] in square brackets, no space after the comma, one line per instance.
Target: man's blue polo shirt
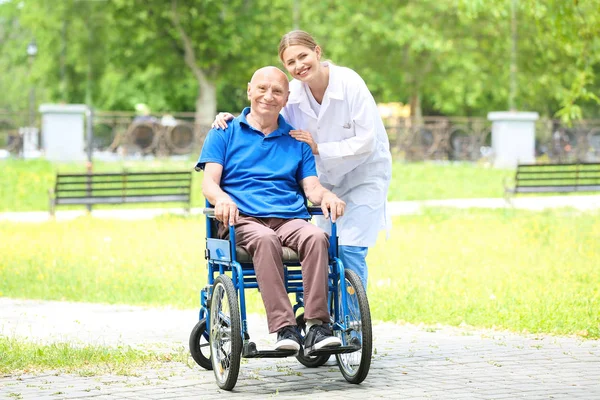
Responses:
[261,173]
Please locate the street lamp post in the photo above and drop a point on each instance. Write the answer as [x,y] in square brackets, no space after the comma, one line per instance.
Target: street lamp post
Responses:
[31,53]
[512,93]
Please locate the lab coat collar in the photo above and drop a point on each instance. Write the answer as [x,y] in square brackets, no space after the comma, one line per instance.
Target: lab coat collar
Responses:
[298,96]
[335,89]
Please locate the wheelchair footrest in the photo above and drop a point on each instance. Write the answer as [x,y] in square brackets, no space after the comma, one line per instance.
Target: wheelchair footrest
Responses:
[334,350]
[250,351]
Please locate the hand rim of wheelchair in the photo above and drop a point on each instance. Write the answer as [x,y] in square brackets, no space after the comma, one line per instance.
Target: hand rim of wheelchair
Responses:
[225,362]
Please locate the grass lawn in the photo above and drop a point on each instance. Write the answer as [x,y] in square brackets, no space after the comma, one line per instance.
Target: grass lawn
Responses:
[438,181]
[509,269]
[24,184]
[87,360]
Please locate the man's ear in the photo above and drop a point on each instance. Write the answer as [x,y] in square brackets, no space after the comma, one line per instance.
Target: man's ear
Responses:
[248,90]
[287,97]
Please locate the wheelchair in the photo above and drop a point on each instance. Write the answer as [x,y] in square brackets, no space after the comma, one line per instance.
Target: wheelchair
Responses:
[220,338]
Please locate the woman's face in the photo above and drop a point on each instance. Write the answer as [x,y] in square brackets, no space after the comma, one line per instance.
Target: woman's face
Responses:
[301,62]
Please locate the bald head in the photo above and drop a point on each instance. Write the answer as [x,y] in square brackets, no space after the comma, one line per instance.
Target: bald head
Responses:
[270,74]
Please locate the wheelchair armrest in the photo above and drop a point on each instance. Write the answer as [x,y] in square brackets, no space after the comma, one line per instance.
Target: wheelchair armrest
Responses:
[210,212]
[313,210]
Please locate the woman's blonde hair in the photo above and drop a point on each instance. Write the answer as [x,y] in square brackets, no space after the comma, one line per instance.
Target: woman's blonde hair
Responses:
[295,38]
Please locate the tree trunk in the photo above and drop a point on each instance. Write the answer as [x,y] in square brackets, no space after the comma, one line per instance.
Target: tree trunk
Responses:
[206,102]
[206,107]
[415,105]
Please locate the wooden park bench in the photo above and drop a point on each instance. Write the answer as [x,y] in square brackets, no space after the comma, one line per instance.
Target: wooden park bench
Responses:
[121,188]
[556,178]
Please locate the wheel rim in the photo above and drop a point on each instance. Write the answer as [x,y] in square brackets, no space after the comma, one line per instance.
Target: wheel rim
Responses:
[350,362]
[220,333]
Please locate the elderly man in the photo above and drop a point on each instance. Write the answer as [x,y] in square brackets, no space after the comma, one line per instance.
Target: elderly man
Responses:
[255,175]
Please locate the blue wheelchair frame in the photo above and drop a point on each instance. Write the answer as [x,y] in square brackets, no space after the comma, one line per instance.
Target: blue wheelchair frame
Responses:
[222,258]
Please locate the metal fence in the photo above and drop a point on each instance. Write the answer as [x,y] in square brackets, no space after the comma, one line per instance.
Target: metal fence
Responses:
[558,143]
[439,138]
[165,134]
[10,122]
[411,139]
[470,139]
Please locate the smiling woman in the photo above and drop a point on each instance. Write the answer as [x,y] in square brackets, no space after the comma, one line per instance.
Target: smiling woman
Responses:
[336,115]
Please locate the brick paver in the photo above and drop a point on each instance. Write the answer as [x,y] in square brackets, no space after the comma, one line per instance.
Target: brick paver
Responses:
[410,362]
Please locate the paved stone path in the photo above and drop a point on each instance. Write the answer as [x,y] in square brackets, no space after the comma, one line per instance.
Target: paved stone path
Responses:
[411,362]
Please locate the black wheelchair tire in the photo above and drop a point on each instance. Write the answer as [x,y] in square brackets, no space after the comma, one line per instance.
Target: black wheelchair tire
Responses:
[196,345]
[308,361]
[224,287]
[358,374]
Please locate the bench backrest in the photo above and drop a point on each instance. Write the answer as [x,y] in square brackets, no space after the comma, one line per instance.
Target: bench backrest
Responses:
[537,178]
[125,187]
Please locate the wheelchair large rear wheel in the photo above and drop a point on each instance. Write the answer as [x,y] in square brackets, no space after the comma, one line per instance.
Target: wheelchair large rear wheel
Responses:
[355,366]
[225,333]
[199,346]
[308,361]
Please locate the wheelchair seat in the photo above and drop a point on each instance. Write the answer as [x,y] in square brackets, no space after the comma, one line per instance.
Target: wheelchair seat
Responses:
[243,256]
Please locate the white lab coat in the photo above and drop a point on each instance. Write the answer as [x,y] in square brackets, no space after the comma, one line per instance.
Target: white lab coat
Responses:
[354,160]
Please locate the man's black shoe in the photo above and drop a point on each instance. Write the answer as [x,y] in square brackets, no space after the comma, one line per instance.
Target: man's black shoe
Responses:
[288,338]
[319,337]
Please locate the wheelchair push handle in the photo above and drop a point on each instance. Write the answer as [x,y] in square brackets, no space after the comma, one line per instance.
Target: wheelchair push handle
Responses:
[210,211]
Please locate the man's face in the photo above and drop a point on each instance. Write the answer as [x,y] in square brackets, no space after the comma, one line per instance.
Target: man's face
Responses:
[268,91]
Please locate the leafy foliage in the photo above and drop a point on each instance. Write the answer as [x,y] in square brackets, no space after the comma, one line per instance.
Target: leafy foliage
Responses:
[442,57]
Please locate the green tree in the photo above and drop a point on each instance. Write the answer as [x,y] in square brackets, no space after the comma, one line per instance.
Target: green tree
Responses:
[429,54]
[15,79]
[558,43]
[454,57]
[576,26]
[216,41]
[441,56]
[114,54]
